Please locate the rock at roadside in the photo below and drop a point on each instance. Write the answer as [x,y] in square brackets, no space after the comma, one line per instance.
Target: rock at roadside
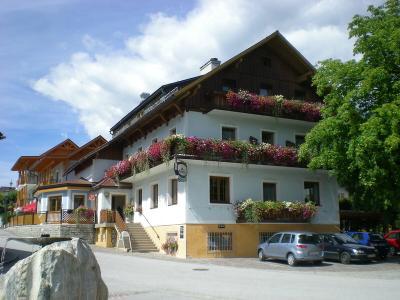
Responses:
[63,270]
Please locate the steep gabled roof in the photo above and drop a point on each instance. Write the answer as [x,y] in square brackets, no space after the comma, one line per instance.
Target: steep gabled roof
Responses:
[87,148]
[275,40]
[55,155]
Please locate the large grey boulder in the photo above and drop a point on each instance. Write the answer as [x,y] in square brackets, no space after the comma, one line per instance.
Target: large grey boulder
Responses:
[63,270]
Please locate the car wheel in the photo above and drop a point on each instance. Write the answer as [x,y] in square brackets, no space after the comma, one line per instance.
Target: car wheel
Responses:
[291,260]
[261,255]
[392,251]
[345,258]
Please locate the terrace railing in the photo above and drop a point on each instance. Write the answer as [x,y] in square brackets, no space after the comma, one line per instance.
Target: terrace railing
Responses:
[64,216]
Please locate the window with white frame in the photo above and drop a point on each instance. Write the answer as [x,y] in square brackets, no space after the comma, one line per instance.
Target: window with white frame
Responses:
[79,200]
[269,191]
[268,137]
[140,198]
[299,139]
[228,133]
[219,190]
[173,191]
[311,192]
[55,203]
[154,196]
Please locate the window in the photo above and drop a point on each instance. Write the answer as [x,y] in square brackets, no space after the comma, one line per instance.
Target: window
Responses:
[267,62]
[228,85]
[172,131]
[55,203]
[140,197]
[57,177]
[172,236]
[269,191]
[299,95]
[265,236]
[154,196]
[299,139]
[154,141]
[286,238]
[174,192]
[311,192]
[219,190]
[267,137]
[219,241]
[275,239]
[265,90]
[78,201]
[358,236]
[228,133]
[312,239]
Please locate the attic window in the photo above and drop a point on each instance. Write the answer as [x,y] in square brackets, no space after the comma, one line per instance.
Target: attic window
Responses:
[267,62]
[299,94]
[228,85]
[265,90]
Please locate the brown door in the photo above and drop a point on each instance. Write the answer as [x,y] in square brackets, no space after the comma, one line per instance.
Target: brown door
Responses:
[118,204]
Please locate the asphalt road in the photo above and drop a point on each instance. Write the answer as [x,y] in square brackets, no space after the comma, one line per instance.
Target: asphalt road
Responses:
[144,277]
[155,276]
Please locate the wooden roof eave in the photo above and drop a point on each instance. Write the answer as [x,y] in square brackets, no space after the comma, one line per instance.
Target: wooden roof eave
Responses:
[23,163]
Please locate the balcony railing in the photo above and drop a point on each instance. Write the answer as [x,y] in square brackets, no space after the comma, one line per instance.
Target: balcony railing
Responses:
[275,106]
[64,216]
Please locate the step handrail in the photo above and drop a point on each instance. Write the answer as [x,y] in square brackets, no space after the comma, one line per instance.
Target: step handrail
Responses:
[150,225]
[120,222]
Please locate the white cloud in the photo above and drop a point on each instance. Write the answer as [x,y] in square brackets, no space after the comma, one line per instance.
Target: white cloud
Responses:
[103,84]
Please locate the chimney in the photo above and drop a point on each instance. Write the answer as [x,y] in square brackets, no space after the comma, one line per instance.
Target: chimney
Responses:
[209,66]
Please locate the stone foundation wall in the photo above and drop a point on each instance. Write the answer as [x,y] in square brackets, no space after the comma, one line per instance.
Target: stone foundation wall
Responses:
[83,231]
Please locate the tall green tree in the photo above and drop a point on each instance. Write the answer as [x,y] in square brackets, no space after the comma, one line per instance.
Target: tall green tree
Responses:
[358,138]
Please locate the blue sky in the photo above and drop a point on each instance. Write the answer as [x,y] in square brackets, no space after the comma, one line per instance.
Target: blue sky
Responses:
[37,35]
[72,68]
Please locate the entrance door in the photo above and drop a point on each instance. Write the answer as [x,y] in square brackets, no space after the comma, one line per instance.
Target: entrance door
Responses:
[118,204]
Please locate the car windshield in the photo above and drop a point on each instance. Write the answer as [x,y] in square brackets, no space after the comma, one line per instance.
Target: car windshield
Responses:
[344,239]
[309,239]
[376,237]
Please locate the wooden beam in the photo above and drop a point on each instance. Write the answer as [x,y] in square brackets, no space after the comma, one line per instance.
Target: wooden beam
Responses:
[178,108]
[162,117]
[304,77]
[237,64]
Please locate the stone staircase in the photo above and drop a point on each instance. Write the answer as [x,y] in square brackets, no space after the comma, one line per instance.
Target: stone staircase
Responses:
[141,242]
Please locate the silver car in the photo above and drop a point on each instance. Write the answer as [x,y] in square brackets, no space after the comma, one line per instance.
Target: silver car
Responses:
[292,247]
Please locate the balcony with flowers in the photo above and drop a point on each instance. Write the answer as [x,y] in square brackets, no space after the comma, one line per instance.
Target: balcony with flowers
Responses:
[276,106]
[204,149]
[250,211]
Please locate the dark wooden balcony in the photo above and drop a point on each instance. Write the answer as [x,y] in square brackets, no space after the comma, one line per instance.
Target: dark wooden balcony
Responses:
[288,109]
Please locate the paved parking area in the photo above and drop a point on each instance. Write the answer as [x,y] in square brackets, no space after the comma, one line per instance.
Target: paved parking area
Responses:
[156,276]
[392,264]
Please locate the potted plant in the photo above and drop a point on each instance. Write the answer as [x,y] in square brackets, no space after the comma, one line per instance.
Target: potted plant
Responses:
[170,246]
[129,212]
